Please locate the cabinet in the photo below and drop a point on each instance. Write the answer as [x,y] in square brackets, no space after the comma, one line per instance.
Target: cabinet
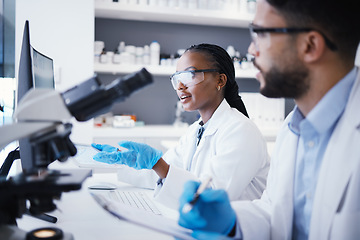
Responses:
[173,29]
[194,17]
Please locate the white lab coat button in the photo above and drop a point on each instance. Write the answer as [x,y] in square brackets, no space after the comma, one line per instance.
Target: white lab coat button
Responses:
[311,144]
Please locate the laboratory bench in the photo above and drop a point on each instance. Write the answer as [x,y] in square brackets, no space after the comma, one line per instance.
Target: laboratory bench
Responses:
[81,216]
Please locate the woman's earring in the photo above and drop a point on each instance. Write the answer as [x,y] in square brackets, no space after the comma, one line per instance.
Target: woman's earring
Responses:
[218,88]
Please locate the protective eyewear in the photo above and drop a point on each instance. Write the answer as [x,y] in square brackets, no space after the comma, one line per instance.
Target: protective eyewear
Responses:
[189,78]
[257,32]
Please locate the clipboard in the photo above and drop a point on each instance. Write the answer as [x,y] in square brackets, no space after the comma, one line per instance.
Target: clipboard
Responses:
[145,219]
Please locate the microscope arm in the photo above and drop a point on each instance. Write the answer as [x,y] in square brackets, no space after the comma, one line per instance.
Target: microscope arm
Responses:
[16,131]
[40,110]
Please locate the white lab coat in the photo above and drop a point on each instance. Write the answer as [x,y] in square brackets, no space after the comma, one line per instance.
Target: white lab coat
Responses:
[336,208]
[232,151]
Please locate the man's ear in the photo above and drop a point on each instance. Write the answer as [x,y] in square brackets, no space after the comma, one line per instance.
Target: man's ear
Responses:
[313,46]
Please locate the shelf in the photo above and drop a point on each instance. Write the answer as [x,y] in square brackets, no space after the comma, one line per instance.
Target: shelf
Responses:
[126,69]
[156,70]
[222,18]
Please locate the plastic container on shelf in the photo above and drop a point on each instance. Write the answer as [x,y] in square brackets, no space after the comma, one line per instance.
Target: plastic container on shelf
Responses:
[173,3]
[203,4]
[153,3]
[131,50]
[121,47]
[139,55]
[184,4]
[228,5]
[155,53]
[193,4]
[103,56]
[125,58]
[163,3]
[212,4]
[243,6]
[143,3]
[116,58]
[98,48]
[231,51]
[180,51]
[109,56]
[237,60]
[146,55]
[251,6]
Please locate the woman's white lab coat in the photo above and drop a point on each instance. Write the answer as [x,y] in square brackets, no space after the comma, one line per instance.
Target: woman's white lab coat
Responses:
[232,151]
[336,208]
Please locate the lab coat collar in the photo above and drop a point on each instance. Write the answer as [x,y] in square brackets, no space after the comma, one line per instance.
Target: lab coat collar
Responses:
[294,123]
[214,122]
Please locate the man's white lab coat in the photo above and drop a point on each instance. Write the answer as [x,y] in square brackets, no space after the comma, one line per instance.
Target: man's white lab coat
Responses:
[336,209]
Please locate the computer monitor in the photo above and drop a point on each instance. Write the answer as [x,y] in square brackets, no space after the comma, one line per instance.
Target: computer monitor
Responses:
[42,70]
[35,70]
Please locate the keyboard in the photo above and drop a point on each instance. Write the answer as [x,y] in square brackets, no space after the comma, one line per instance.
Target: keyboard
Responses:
[134,199]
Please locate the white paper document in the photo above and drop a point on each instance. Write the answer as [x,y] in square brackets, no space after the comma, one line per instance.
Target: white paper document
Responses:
[146,219]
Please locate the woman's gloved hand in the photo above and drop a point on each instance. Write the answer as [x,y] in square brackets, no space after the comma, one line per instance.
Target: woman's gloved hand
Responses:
[137,155]
[104,147]
[212,212]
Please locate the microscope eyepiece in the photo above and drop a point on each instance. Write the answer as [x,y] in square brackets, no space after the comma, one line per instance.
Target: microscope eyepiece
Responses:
[90,98]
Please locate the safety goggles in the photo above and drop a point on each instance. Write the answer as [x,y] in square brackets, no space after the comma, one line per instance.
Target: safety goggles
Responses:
[189,78]
[257,32]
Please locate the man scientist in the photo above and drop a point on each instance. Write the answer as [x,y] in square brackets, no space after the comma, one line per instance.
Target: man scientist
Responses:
[304,49]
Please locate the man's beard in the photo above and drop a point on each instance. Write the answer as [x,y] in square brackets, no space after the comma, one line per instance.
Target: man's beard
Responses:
[292,82]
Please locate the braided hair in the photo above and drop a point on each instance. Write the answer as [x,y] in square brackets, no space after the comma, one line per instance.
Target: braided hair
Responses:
[222,61]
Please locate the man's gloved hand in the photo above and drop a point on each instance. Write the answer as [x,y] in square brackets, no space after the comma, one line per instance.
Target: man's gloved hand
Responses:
[104,147]
[212,212]
[202,235]
[137,155]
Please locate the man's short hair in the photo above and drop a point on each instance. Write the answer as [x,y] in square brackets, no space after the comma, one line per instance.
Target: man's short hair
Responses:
[338,20]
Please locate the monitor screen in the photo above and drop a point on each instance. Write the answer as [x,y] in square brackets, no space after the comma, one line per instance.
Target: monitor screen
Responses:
[42,70]
[35,70]
[25,80]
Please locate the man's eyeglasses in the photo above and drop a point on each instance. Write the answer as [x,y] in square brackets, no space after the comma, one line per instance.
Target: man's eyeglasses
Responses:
[189,78]
[257,32]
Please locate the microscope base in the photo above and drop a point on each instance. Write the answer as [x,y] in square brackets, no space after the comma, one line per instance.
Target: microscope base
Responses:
[12,232]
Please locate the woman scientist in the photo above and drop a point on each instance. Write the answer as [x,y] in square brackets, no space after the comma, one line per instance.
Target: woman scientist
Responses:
[223,144]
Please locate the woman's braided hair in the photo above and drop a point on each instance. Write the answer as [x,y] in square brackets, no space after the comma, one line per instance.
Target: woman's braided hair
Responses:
[222,61]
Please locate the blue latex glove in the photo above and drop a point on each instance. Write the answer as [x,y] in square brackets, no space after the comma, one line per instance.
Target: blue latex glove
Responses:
[104,147]
[212,212]
[202,235]
[137,155]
